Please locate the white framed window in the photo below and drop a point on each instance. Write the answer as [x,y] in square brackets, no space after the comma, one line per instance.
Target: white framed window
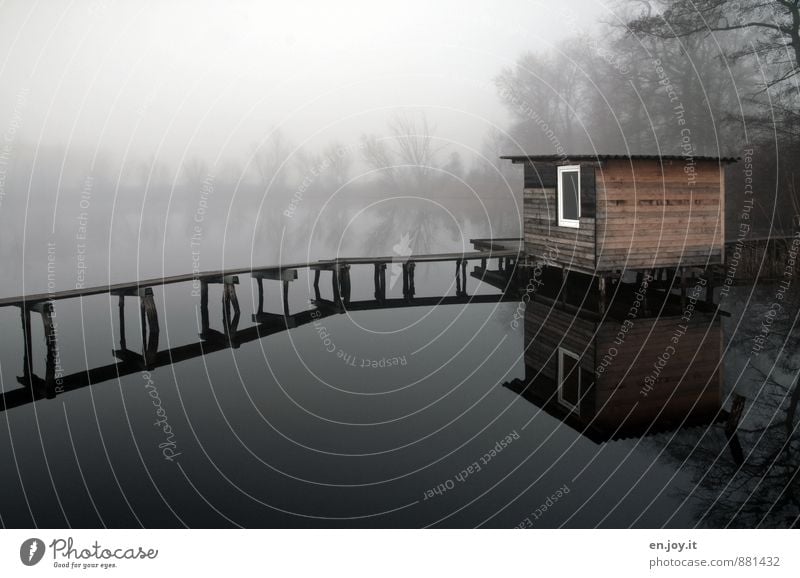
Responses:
[569,379]
[569,196]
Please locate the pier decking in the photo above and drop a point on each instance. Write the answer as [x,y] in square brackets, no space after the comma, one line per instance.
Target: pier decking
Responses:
[231,336]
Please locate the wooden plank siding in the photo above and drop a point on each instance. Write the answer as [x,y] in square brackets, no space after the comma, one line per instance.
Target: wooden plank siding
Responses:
[575,247]
[570,247]
[649,215]
[687,386]
[547,329]
[640,214]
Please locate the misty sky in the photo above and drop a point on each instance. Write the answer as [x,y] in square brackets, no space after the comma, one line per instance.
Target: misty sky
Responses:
[177,79]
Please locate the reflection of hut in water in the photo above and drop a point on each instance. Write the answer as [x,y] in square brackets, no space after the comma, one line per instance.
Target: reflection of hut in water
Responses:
[618,377]
[622,334]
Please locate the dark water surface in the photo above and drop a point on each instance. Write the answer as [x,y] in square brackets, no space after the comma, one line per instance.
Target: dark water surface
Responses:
[394,417]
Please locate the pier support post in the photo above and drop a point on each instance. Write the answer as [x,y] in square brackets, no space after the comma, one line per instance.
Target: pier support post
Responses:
[260,282]
[337,298]
[683,288]
[285,276]
[380,282]
[27,363]
[316,285]
[602,297]
[641,276]
[123,344]
[408,280]
[150,328]
[204,321]
[461,277]
[50,338]
[229,298]
[148,315]
[46,310]
[344,283]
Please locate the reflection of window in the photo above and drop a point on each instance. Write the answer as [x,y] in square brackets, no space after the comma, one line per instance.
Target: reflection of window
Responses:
[569,379]
[569,196]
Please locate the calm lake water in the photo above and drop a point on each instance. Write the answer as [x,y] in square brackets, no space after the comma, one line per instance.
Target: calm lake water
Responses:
[392,417]
[372,418]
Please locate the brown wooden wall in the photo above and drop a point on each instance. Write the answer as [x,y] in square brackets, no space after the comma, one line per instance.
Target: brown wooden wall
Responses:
[573,248]
[640,215]
[688,386]
[548,328]
[649,218]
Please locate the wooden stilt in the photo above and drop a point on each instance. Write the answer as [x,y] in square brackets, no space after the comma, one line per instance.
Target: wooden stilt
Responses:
[229,297]
[260,282]
[408,280]
[601,285]
[405,281]
[344,280]
[316,285]
[286,298]
[151,312]
[204,322]
[683,288]
[28,351]
[335,286]
[50,339]
[150,352]
[122,341]
[732,426]
[380,281]
[150,328]
[143,322]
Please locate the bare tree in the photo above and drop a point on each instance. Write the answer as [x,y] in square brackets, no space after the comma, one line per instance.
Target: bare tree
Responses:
[270,160]
[339,161]
[775,24]
[408,163]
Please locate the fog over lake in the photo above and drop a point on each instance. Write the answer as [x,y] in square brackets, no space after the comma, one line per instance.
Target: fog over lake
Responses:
[352,361]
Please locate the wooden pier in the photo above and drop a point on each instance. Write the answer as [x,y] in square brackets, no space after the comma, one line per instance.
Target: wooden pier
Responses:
[265,323]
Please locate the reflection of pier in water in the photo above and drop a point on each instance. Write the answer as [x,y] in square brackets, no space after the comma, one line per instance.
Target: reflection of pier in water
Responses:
[265,323]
